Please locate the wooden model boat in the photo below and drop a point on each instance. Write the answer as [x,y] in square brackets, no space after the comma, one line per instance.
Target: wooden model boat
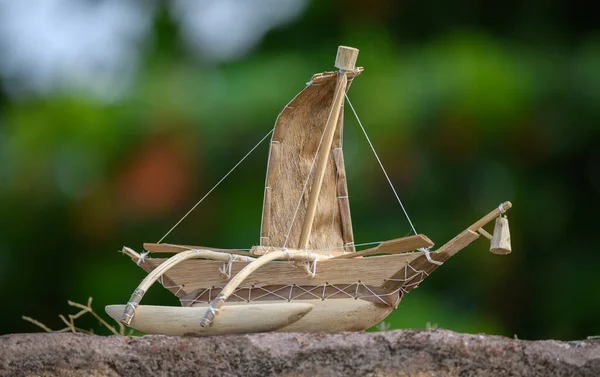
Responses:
[306,274]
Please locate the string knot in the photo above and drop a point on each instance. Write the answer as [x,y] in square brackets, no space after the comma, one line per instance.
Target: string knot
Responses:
[225,270]
[142,257]
[311,267]
[212,310]
[427,253]
[501,208]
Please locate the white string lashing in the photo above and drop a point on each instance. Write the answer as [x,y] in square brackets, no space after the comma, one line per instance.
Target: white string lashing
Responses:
[346,246]
[215,186]
[501,208]
[427,252]
[225,270]
[142,257]
[311,267]
[320,291]
[381,165]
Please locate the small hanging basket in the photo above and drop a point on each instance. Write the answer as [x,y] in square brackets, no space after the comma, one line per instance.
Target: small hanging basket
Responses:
[500,243]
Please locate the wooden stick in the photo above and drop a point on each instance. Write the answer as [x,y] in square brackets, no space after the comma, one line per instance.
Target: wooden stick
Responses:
[168,248]
[200,274]
[153,276]
[345,61]
[342,199]
[396,246]
[490,216]
[262,250]
[484,233]
[217,303]
[272,175]
[462,240]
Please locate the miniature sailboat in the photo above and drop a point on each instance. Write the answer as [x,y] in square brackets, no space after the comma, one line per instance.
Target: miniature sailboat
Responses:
[305,275]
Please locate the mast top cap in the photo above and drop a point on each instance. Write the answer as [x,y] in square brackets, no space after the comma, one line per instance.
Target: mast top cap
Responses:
[346,58]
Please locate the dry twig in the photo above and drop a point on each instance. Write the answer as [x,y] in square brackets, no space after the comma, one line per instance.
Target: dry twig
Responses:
[70,323]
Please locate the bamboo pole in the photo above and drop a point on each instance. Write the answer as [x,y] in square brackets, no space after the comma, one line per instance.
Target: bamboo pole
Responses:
[345,60]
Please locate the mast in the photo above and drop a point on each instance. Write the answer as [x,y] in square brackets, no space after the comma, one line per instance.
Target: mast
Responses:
[345,61]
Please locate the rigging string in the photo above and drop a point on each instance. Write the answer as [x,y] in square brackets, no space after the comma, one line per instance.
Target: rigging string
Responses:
[312,165]
[215,186]
[380,164]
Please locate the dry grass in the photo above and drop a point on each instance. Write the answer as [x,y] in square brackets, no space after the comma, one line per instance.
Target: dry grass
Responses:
[383,326]
[70,322]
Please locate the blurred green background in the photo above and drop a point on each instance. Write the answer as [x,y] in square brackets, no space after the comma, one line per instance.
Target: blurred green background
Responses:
[117,116]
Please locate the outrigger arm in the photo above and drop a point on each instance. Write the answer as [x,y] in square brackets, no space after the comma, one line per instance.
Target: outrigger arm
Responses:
[153,276]
[255,263]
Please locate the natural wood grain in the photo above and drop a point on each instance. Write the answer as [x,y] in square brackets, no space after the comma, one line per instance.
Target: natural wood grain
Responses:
[156,273]
[462,240]
[266,220]
[340,315]
[346,58]
[272,174]
[241,276]
[262,250]
[490,216]
[342,200]
[298,130]
[322,159]
[484,233]
[500,243]
[148,267]
[195,274]
[233,319]
[396,246]
[421,265]
[172,248]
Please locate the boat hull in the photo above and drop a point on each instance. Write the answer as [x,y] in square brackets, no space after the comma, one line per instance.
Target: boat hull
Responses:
[345,314]
[239,318]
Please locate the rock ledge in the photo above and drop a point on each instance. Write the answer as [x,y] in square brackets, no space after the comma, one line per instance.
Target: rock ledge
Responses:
[391,353]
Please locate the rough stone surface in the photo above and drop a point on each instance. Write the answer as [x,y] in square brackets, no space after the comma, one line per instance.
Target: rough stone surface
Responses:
[392,353]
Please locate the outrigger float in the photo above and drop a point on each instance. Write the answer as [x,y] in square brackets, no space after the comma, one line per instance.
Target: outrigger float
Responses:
[306,274]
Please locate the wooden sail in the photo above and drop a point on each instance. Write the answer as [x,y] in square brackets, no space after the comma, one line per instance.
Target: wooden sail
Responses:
[298,131]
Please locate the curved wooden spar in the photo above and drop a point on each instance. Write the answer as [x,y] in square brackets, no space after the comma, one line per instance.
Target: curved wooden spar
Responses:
[345,60]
